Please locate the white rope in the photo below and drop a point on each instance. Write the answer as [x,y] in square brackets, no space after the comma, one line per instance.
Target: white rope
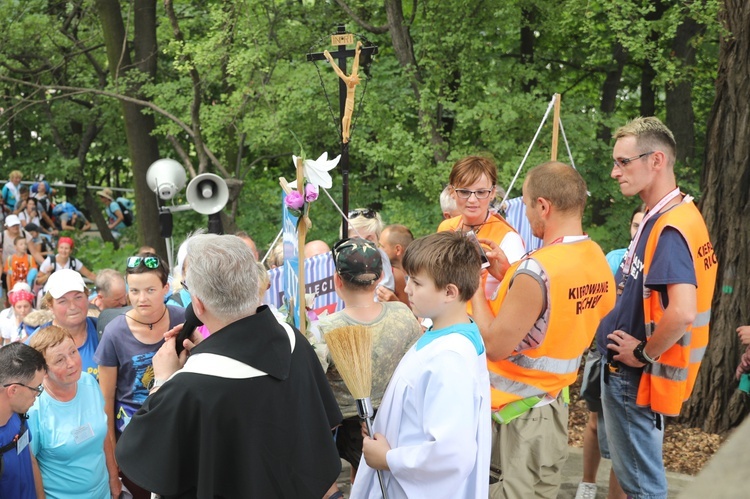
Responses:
[273,244]
[567,146]
[528,152]
[342,213]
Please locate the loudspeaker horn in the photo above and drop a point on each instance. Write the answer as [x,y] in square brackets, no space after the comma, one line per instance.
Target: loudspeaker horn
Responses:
[166,177]
[207,193]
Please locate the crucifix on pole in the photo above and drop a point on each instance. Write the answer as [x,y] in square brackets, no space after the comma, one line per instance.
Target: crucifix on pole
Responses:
[347,85]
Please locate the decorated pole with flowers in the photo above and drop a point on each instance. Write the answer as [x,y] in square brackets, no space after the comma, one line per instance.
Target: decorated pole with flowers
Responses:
[304,220]
[310,176]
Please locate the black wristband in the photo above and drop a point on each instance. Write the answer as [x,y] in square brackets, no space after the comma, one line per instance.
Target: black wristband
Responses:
[640,355]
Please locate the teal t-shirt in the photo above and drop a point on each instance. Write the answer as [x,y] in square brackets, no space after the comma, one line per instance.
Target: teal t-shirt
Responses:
[68,442]
[470,331]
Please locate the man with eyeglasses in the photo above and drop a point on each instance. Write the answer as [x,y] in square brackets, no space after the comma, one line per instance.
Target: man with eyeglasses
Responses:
[656,335]
[22,371]
[472,181]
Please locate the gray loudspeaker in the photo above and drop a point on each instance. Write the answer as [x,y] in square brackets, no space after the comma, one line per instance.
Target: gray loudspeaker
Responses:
[166,177]
[207,193]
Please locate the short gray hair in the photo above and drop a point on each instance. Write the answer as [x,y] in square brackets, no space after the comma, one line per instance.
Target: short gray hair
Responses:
[222,273]
[105,278]
[447,203]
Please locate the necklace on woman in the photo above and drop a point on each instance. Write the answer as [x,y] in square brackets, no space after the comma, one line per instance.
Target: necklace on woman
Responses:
[149,324]
[60,398]
[476,228]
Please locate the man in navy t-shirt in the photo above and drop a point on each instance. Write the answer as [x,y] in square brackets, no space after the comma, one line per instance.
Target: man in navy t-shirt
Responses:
[644,158]
[22,371]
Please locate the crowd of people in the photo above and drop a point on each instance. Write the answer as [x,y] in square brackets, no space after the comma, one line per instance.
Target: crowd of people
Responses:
[474,347]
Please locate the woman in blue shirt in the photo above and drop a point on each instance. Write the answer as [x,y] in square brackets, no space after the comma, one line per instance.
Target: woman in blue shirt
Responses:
[69,426]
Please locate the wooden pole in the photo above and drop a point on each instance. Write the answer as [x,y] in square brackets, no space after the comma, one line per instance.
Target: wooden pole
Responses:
[301,235]
[555,128]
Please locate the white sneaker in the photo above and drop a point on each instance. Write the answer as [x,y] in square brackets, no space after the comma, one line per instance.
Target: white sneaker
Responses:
[586,491]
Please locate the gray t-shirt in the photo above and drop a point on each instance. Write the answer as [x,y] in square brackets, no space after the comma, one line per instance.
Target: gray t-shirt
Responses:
[394,331]
[119,348]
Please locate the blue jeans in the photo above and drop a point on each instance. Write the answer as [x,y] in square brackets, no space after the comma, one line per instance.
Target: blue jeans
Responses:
[635,435]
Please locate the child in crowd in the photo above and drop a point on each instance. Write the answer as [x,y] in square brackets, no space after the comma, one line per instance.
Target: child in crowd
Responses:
[18,266]
[432,432]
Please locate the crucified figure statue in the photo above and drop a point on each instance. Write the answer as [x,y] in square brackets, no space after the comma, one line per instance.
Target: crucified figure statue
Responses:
[351,82]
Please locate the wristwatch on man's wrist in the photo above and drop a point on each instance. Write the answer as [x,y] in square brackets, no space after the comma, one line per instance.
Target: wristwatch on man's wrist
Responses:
[640,354]
[155,383]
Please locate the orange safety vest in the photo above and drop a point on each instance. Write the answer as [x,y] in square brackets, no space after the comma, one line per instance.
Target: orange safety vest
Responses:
[668,382]
[494,229]
[581,291]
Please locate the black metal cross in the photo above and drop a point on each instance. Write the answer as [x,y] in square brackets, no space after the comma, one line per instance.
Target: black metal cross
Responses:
[341,39]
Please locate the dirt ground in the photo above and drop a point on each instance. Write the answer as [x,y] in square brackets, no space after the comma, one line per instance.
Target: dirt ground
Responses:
[686,450]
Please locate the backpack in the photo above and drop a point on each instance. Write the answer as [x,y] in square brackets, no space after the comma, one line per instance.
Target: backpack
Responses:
[63,207]
[20,270]
[53,261]
[126,206]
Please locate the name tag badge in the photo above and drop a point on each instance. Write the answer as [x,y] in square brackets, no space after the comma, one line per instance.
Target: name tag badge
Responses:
[83,433]
[23,442]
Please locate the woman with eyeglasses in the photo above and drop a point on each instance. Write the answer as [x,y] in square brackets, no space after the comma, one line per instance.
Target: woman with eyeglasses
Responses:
[472,182]
[68,425]
[130,341]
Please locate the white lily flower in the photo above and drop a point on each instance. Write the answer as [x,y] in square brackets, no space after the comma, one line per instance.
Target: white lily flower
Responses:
[316,172]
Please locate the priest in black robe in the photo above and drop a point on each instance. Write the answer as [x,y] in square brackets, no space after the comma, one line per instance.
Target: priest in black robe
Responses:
[250,413]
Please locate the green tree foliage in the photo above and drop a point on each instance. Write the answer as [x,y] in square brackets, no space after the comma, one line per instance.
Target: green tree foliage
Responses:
[450,79]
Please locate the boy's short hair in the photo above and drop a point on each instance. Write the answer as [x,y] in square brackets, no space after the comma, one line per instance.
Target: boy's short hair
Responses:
[448,258]
[399,234]
[18,238]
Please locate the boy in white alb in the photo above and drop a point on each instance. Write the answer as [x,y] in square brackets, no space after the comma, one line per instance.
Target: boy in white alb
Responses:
[432,431]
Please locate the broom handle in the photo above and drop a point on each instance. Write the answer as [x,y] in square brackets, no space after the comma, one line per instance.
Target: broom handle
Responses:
[380,473]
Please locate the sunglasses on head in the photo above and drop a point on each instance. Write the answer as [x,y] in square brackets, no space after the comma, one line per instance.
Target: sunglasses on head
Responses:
[150,262]
[367,213]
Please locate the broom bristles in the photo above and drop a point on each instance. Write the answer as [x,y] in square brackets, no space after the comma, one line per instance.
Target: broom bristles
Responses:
[351,350]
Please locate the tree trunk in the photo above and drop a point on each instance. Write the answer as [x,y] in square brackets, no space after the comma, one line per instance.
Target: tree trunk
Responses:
[648,95]
[142,146]
[403,47]
[607,106]
[680,116]
[528,15]
[716,405]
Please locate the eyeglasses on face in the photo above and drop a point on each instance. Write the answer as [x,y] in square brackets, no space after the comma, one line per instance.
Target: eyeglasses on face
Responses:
[622,163]
[466,193]
[151,262]
[367,213]
[39,389]
[184,286]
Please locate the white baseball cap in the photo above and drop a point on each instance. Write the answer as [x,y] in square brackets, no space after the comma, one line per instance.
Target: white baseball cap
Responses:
[12,220]
[64,281]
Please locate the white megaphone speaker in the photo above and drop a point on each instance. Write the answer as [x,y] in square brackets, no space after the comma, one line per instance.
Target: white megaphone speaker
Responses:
[166,177]
[207,193]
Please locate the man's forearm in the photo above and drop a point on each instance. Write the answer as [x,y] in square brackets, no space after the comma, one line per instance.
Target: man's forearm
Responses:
[678,317]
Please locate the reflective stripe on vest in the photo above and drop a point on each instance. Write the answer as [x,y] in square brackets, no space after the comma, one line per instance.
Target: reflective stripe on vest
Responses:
[667,383]
[581,291]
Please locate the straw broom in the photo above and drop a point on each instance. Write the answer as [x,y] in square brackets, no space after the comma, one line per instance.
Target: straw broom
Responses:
[351,350]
